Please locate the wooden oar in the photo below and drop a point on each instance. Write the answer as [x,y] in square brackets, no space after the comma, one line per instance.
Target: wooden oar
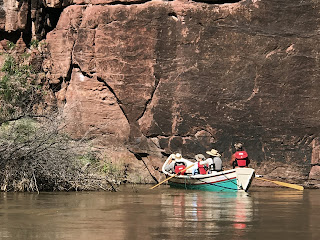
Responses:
[181,171]
[289,185]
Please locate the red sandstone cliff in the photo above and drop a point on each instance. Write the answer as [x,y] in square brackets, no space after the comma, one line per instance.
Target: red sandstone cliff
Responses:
[161,76]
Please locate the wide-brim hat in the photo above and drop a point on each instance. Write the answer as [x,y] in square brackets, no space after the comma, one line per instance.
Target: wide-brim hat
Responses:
[177,156]
[213,152]
[199,157]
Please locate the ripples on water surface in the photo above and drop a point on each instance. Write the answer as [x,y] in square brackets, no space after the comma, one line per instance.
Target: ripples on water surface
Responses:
[162,213]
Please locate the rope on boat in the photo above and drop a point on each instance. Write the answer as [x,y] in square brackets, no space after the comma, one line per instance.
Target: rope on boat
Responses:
[240,187]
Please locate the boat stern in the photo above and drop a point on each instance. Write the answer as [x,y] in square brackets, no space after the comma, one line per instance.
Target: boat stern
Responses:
[244,177]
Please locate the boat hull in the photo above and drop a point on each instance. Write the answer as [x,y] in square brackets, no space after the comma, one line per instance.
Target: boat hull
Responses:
[226,186]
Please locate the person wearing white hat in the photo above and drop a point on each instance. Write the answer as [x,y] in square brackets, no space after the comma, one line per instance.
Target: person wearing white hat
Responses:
[178,160]
[215,163]
[170,167]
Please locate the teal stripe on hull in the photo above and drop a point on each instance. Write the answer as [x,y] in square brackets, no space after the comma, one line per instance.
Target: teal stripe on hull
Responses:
[225,186]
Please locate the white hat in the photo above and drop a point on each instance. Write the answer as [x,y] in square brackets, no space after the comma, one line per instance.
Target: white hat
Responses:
[214,152]
[178,156]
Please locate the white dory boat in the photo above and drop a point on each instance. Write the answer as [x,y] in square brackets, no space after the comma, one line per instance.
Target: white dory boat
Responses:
[238,179]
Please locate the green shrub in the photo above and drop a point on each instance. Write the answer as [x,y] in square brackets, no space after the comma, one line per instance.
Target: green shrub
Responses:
[34,43]
[11,45]
[88,157]
[9,66]
[18,91]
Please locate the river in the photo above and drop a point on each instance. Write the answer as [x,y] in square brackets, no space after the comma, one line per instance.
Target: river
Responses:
[135,212]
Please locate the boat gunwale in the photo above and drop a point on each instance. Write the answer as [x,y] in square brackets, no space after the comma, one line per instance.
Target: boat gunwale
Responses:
[203,183]
[202,176]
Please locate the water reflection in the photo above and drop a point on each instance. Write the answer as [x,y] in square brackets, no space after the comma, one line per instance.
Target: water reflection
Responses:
[162,214]
[208,213]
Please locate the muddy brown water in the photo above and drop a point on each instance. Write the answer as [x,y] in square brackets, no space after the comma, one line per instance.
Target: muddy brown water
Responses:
[135,212]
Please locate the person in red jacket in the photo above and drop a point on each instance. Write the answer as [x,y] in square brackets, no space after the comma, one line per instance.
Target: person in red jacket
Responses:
[201,167]
[240,157]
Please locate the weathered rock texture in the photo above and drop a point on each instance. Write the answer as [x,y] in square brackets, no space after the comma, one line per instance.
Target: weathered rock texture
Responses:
[188,76]
[13,15]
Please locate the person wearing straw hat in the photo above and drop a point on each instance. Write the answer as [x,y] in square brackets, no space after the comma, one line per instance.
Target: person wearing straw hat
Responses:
[215,163]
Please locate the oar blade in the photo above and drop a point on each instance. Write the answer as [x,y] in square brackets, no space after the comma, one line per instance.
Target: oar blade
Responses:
[289,185]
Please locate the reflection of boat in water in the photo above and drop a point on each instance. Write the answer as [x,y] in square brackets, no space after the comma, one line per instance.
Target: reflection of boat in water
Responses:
[208,212]
[238,179]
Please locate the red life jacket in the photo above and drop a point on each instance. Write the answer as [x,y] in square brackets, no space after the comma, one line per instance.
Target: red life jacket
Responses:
[202,168]
[241,158]
[178,168]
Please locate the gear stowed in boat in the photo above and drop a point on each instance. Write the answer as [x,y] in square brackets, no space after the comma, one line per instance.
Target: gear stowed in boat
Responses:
[181,171]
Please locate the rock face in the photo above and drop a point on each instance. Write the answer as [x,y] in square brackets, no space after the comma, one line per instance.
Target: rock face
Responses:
[190,76]
[13,15]
[92,108]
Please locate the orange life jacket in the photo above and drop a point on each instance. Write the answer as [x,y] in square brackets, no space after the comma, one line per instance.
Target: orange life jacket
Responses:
[178,168]
[241,158]
[202,168]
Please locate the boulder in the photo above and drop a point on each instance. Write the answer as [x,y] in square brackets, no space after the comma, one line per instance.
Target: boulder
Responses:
[315,173]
